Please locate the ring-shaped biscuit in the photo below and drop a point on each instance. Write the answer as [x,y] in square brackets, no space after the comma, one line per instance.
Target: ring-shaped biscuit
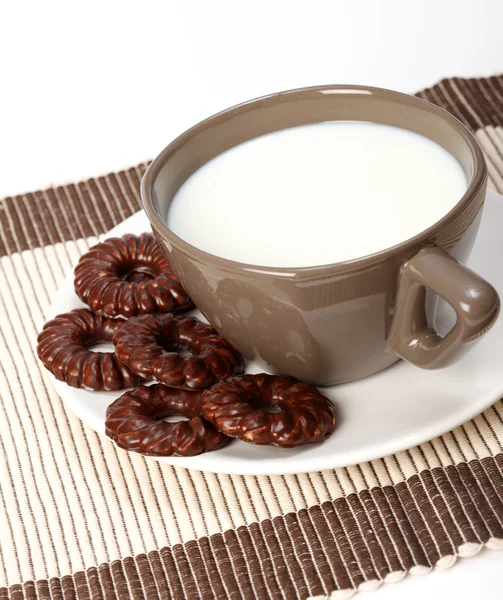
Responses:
[151,344]
[128,276]
[134,422]
[64,349]
[302,414]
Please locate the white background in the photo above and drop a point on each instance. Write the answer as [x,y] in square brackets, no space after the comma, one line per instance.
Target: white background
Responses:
[89,87]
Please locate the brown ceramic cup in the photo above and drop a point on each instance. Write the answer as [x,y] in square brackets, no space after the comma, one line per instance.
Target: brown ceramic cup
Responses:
[333,323]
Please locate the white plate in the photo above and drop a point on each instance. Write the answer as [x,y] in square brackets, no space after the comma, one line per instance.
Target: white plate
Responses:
[396,409]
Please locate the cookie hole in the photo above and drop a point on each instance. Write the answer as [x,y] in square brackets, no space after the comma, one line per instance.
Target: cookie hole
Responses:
[271,409]
[265,404]
[137,272]
[99,345]
[179,349]
[183,352]
[174,418]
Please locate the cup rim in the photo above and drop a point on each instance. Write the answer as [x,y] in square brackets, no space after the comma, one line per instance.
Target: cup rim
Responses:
[149,178]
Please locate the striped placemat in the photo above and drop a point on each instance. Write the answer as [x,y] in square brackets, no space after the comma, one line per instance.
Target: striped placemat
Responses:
[81,520]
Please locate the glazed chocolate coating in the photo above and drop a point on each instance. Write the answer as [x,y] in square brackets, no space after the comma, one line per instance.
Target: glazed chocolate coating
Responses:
[129,276]
[134,423]
[63,347]
[148,344]
[235,408]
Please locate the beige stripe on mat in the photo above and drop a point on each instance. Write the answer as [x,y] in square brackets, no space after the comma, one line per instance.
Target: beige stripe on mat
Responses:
[80,519]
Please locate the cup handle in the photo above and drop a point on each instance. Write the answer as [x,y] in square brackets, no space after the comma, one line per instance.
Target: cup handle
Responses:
[475,302]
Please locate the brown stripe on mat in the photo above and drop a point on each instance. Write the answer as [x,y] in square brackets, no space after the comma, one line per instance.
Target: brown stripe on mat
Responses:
[69,212]
[475,102]
[355,542]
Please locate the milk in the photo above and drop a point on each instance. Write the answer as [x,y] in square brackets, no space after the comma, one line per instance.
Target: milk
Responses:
[317,194]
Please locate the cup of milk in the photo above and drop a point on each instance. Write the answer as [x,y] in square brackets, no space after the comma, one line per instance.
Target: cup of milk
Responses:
[317,228]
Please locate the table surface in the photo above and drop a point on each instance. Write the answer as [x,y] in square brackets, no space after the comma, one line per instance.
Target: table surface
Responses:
[100,86]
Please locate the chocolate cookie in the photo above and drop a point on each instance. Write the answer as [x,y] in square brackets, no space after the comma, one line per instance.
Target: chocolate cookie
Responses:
[236,408]
[134,422]
[149,344]
[129,276]
[63,347]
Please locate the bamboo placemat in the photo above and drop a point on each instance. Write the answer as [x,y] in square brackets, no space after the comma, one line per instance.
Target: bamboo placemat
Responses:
[80,519]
